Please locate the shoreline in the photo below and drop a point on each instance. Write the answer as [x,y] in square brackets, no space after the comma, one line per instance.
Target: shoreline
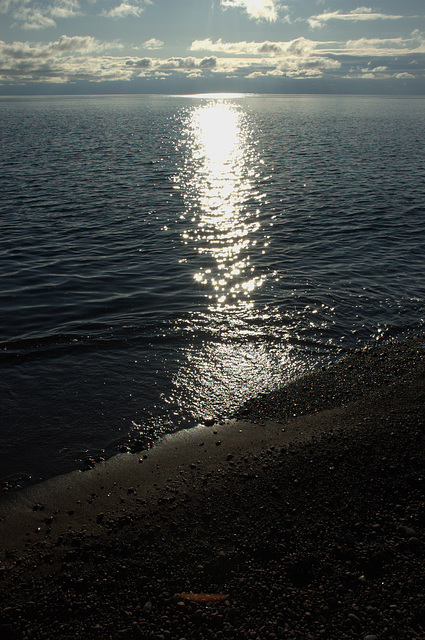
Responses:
[311,526]
[130,478]
[302,410]
[361,370]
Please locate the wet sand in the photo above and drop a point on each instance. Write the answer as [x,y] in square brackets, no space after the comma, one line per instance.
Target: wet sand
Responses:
[129,479]
[309,526]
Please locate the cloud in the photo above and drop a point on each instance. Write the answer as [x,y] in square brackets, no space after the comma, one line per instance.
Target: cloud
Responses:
[356,15]
[75,44]
[208,63]
[256,9]
[304,57]
[173,64]
[297,47]
[5,5]
[380,69]
[143,63]
[177,63]
[41,16]
[187,63]
[153,43]
[414,43]
[271,48]
[68,59]
[219,46]
[296,57]
[65,9]
[35,17]
[126,9]
[64,45]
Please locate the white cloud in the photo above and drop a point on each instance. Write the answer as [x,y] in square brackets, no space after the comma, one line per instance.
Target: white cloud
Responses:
[294,57]
[153,43]
[65,9]
[298,47]
[256,9]
[219,46]
[76,44]
[33,19]
[259,74]
[303,57]
[356,15]
[64,45]
[67,59]
[6,5]
[74,56]
[126,9]
[380,69]
[415,43]
[40,16]
[72,59]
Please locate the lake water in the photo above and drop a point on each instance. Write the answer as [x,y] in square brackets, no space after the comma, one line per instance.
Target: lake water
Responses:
[166,258]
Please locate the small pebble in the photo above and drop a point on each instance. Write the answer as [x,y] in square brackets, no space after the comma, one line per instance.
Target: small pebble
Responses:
[147,608]
[354,619]
[413,542]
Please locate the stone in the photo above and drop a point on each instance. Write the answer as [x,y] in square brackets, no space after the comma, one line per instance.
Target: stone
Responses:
[147,608]
[354,619]
[413,542]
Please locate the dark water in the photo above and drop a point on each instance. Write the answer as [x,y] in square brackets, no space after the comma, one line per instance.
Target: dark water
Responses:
[166,258]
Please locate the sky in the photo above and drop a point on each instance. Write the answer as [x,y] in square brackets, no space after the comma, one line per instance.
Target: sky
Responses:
[197,46]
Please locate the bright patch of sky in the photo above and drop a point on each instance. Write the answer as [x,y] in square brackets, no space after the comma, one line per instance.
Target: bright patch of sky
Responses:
[189,46]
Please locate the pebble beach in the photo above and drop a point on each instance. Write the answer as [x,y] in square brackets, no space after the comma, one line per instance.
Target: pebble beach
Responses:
[303,517]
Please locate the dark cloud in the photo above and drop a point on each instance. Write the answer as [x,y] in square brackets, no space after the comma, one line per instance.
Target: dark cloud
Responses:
[270,47]
[143,63]
[208,63]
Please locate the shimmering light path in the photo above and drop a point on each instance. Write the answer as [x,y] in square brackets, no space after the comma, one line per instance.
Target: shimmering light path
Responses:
[221,185]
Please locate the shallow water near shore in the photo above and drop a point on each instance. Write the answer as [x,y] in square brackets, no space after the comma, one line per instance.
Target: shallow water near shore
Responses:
[169,258]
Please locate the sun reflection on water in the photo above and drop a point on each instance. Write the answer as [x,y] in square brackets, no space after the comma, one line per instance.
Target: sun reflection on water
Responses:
[230,354]
[217,183]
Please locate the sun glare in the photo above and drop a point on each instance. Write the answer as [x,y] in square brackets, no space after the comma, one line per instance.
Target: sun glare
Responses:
[217,135]
[216,184]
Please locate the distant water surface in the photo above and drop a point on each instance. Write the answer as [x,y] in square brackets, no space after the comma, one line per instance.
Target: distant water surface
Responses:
[167,258]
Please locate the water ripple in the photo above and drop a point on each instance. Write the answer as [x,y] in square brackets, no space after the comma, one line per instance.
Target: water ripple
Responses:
[162,258]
